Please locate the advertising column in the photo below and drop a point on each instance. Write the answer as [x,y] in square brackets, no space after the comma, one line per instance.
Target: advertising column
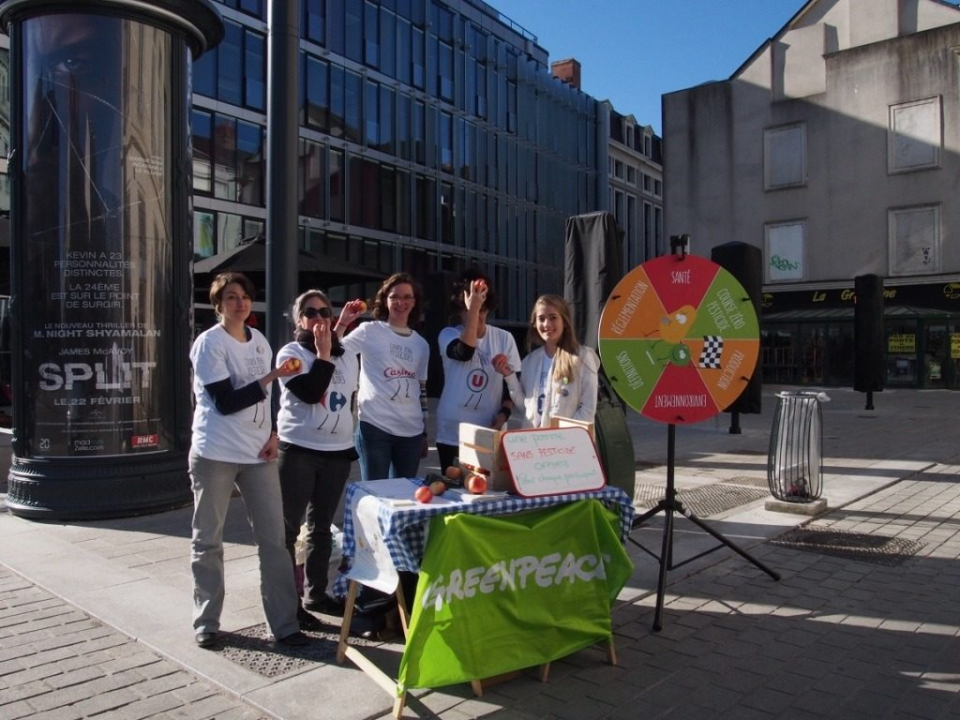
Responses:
[101,253]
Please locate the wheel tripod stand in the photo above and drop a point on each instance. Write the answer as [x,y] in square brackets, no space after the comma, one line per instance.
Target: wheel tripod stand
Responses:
[670,505]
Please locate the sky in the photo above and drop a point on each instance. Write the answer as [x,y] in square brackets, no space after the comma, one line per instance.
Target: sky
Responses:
[633,51]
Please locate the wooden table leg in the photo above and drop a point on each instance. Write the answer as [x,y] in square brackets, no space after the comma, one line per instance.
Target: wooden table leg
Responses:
[347,619]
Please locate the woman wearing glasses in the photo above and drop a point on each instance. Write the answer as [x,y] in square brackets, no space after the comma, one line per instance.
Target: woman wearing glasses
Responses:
[316,440]
[235,444]
[392,401]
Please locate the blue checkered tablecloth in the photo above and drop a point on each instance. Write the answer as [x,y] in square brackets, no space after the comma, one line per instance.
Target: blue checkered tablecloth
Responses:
[404,528]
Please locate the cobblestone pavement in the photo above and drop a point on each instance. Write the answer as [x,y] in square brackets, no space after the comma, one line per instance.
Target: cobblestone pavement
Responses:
[57,662]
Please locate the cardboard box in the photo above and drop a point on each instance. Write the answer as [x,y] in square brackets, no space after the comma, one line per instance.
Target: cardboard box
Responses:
[480,450]
[562,422]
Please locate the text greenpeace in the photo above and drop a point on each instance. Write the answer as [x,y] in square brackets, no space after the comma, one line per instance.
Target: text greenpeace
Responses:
[553,569]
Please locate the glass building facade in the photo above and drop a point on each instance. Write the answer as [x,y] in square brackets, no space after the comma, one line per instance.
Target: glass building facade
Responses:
[431,136]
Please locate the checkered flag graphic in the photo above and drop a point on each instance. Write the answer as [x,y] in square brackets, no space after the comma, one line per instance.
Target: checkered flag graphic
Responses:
[712,350]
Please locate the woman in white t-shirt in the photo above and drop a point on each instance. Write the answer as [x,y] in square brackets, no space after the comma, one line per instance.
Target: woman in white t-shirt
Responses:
[392,400]
[235,445]
[316,440]
[559,377]
[474,356]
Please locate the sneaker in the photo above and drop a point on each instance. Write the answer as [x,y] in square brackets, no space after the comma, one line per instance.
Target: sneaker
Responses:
[327,605]
[206,640]
[307,621]
[297,639]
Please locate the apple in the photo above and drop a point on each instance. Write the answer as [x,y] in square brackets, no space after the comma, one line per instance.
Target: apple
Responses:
[437,487]
[293,364]
[423,494]
[479,286]
[361,306]
[476,484]
[453,472]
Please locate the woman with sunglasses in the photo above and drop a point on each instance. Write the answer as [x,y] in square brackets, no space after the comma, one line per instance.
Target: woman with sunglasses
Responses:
[392,401]
[234,445]
[316,441]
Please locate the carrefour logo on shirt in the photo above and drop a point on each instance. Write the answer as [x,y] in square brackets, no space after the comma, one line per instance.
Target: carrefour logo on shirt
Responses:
[333,401]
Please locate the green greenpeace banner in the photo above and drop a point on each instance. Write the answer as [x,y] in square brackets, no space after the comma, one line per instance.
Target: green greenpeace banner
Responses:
[508,592]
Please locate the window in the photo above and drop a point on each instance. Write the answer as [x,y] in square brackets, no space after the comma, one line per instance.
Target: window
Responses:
[250,163]
[372,115]
[352,109]
[255,70]
[785,251]
[202,124]
[446,142]
[914,240]
[311,179]
[388,142]
[314,21]
[235,72]
[785,157]
[317,95]
[371,35]
[203,233]
[915,136]
[335,182]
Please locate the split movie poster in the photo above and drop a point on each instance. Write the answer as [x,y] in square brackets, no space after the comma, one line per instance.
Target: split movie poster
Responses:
[96,237]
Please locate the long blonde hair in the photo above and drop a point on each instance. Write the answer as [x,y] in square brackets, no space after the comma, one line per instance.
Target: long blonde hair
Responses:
[566,360]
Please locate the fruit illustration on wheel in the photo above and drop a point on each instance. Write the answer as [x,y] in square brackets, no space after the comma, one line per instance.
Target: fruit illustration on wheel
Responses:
[679,339]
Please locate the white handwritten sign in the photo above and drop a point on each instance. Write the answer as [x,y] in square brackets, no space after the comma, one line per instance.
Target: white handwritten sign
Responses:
[552,461]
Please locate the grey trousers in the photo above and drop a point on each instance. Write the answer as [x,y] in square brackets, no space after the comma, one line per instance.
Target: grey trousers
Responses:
[259,484]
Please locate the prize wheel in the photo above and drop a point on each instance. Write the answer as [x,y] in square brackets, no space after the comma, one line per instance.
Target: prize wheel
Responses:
[679,339]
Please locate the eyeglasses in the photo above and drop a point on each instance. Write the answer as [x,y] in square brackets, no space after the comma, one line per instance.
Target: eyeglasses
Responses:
[404,298]
[312,312]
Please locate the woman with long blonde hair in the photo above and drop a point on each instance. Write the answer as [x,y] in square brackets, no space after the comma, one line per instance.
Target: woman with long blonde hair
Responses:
[559,377]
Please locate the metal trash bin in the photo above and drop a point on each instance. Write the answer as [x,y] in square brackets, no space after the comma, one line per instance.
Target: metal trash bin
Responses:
[795,461]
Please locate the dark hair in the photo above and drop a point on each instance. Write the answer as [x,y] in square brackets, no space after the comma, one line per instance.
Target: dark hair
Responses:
[222,280]
[302,299]
[380,309]
[461,285]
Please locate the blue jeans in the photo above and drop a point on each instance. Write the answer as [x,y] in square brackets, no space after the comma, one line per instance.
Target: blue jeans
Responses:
[383,455]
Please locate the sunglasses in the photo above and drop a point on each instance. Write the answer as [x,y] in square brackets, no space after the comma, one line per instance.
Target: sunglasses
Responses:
[312,312]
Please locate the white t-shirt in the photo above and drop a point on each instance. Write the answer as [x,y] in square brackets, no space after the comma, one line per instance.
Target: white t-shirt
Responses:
[473,390]
[392,366]
[328,424]
[239,437]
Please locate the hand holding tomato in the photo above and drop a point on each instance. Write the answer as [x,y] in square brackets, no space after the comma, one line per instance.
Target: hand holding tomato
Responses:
[501,363]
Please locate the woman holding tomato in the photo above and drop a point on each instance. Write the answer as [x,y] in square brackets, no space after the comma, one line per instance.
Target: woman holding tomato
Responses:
[235,445]
[559,377]
[472,351]
[392,398]
[316,440]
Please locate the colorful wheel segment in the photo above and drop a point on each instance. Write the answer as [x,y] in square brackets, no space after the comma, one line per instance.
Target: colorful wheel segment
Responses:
[679,339]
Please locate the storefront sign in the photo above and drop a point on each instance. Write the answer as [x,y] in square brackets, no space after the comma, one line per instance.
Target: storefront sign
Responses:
[902,343]
[955,346]
[507,592]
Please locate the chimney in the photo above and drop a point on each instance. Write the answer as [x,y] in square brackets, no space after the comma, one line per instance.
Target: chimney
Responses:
[567,70]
